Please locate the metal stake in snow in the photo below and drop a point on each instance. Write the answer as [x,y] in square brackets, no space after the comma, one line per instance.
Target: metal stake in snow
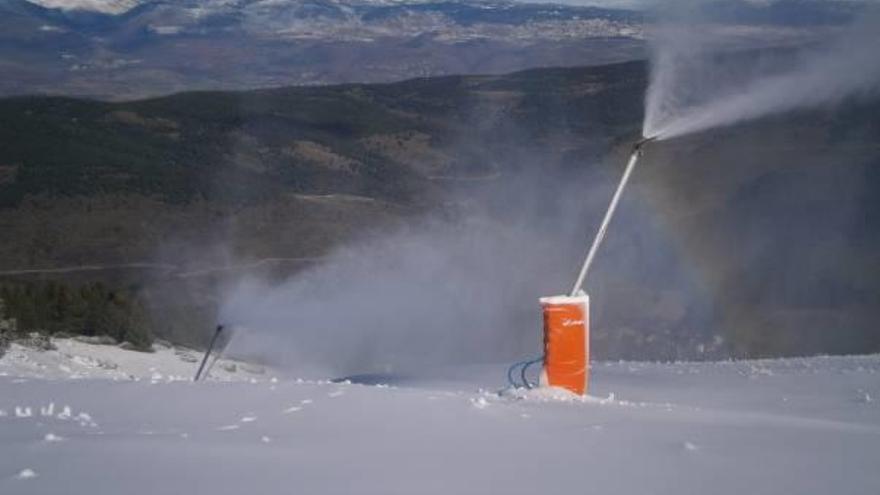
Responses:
[600,235]
[208,352]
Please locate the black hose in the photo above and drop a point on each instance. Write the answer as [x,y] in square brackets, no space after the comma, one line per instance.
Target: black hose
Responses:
[525,365]
[525,368]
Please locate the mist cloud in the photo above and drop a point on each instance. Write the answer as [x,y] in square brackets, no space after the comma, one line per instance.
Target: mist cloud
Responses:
[442,292]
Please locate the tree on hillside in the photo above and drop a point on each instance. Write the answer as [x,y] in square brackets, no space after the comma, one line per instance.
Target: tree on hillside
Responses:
[91,309]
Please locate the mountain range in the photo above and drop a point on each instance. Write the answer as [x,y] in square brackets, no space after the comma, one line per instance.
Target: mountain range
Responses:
[119,49]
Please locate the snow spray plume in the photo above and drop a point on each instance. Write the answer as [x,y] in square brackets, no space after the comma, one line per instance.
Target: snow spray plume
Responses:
[439,293]
[685,95]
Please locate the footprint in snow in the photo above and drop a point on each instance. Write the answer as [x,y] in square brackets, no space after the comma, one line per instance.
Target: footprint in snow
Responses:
[65,413]
[85,419]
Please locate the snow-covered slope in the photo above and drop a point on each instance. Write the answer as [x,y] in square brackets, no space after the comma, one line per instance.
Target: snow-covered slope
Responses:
[798,426]
[123,49]
[73,359]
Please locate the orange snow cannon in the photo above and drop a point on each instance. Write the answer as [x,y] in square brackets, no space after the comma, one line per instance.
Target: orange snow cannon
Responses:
[566,342]
[567,318]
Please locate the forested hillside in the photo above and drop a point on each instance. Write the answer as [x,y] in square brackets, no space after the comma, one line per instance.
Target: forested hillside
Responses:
[757,238]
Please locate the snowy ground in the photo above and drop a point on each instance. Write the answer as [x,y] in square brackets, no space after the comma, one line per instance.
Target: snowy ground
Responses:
[77,360]
[798,426]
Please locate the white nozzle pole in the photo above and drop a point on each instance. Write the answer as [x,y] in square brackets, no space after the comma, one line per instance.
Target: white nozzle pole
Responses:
[600,235]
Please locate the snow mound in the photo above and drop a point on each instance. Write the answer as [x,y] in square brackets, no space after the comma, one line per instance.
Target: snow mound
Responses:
[26,473]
